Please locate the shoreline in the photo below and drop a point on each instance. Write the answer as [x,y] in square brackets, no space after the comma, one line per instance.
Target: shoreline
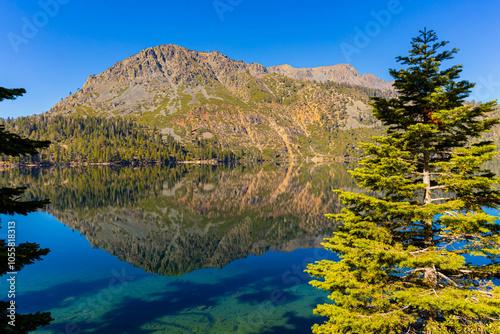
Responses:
[4,166]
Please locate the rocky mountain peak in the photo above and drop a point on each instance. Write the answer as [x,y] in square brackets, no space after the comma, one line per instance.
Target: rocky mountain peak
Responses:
[246,107]
[175,65]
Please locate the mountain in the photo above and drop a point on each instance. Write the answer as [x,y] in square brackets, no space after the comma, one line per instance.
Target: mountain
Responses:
[246,108]
[341,73]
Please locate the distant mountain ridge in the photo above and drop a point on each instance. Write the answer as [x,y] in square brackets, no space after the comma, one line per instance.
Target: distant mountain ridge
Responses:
[246,108]
[341,73]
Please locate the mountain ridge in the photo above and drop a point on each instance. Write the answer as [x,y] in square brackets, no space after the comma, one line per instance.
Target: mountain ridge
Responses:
[340,73]
[242,107]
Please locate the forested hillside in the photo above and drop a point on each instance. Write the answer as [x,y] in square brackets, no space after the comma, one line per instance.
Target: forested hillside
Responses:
[96,139]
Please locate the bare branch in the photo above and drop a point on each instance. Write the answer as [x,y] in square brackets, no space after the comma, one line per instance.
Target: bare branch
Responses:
[447,278]
[451,213]
[441,199]
[439,187]
[419,251]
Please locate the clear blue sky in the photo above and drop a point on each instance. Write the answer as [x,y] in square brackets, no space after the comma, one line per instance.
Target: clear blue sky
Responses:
[49,47]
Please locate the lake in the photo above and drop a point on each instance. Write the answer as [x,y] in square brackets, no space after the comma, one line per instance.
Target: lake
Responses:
[176,249]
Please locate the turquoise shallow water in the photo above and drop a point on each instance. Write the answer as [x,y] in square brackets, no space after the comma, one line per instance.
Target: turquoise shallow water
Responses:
[87,290]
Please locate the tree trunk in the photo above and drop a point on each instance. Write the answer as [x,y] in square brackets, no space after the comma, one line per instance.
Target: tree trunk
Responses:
[428,233]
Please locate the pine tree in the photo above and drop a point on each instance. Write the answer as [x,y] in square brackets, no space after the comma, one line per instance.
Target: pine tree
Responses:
[26,253]
[14,145]
[421,255]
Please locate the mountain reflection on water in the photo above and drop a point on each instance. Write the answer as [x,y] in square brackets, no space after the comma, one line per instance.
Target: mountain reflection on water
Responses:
[172,220]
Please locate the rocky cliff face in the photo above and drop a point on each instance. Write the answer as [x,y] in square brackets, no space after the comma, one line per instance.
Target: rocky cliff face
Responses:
[341,73]
[245,107]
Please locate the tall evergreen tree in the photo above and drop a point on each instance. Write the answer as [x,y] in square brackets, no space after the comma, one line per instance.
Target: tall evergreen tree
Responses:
[421,256]
[12,144]
[26,253]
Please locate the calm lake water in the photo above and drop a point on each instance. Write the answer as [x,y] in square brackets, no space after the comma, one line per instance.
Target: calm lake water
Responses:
[183,249]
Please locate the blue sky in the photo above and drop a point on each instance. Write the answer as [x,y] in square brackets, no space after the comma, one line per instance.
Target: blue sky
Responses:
[49,47]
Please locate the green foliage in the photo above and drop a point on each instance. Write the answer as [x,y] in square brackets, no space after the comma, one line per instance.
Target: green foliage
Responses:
[24,322]
[421,256]
[359,93]
[285,90]
[96,139]
[14,145]
[83,189]
[11,143]
[11,94]
[10,204]
[26,253]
